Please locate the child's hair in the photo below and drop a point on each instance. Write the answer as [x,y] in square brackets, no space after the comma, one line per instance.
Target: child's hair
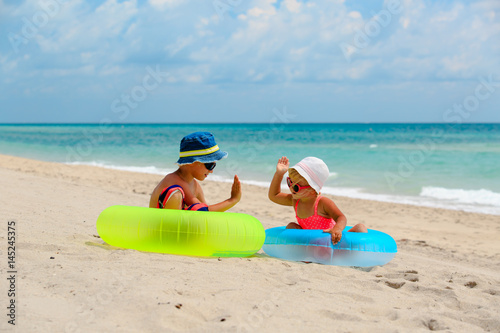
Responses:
[295,174]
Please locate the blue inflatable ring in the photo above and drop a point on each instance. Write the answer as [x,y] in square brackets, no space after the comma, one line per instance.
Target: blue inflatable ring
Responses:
[354,249]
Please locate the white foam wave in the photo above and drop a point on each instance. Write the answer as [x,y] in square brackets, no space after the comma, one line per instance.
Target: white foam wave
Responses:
[479,197]
[488,204]
[141,169]
[476,201]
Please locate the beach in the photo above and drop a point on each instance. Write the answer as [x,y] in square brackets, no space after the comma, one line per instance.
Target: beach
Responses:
[444,277]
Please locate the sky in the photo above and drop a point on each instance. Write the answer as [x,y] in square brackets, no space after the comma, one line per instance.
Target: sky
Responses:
[234,61]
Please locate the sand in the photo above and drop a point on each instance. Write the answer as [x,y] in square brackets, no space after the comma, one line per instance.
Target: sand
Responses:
[446,275]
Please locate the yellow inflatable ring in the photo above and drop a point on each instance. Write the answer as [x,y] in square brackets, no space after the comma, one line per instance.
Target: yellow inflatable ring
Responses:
[181,232]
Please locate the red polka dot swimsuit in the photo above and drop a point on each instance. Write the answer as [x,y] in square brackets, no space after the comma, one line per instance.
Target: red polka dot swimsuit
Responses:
[315,221]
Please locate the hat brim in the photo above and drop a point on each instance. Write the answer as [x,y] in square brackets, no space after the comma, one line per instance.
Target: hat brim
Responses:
[304,174]
[214,157]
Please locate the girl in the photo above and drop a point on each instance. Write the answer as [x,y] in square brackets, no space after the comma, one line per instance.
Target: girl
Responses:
[312,210]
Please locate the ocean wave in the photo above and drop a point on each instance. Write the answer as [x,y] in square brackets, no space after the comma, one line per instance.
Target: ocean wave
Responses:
[489,202]
[477,197]
[141,169]
[475,201]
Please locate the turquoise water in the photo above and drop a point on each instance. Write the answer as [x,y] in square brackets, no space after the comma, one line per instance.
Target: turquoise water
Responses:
[440,165]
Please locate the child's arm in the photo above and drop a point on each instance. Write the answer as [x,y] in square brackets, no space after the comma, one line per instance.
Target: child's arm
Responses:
[330,209]
[229,203]
[199,197]
[274,193]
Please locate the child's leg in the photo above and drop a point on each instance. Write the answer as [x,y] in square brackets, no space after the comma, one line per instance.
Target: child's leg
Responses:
[360,227]
[293,225]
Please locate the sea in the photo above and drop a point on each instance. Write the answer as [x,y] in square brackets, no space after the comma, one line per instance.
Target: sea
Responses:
[452,166]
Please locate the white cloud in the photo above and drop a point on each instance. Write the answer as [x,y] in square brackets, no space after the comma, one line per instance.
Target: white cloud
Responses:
[104,46]
[448,16]
[456,63]
[280,42]
[194,78]
[293,6]
[180,43]
[8,65]
[405,22]
[164,4]
[420,47]
[258,11]
[298,52]
[58,72]
[354,15]
[91,30]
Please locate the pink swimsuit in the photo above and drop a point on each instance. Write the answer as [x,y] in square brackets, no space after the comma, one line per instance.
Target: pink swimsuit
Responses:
[315,221]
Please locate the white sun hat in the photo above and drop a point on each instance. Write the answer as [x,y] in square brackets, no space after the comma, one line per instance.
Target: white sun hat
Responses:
[314,170]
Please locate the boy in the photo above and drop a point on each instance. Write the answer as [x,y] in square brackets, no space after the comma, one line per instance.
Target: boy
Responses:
[181,190]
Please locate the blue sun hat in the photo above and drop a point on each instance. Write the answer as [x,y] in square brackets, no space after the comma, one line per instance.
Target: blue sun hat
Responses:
[199,147]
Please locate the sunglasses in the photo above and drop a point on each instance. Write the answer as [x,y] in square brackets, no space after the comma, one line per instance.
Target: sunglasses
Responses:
[210,166]
[295,187]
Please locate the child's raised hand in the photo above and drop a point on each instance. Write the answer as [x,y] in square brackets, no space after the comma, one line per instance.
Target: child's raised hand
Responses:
[236,189]
[283,165]
[336,235]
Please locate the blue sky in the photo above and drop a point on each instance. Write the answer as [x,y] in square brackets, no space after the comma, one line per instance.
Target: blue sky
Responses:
[242,61]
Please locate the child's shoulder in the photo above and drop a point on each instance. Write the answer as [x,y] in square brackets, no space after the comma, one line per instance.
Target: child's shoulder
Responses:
[172,177]
[324,200]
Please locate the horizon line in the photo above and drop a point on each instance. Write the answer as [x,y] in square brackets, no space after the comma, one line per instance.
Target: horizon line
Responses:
[247,123]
